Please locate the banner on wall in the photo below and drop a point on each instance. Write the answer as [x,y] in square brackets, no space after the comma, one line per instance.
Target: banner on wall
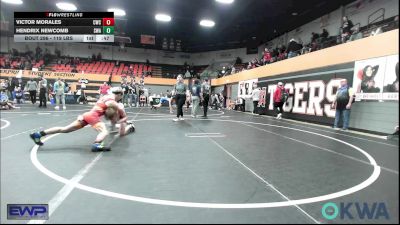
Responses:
[310,97]
[245,88]
[377,79]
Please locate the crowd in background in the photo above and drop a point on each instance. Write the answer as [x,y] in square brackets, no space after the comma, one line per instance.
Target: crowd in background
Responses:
[348,32]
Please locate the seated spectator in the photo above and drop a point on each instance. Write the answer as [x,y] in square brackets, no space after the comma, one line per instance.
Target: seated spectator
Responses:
[293,48]
[346,29]
[325,34]
[306,49]
[74,70]
[233,70]
[274,55]
[99,57]
[58,53]
[281,55]
[314,37]
[249,66]
[355,35]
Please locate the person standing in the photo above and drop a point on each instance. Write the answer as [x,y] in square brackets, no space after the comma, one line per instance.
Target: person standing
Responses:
[132,90]
[205,94]
[342,104]
[196,91]
[180,90]
[32,86]
[346,29]
[255,95]
[59,91]
[42,92]
[104,89]
[125,88]
[280,97]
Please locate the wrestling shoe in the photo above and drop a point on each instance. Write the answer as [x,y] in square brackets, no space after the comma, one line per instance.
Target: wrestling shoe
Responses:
[98,147]
[36,138]
[131,127]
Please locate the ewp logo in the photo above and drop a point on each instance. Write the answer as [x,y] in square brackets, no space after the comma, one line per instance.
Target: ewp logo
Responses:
[27,212]
[364,210]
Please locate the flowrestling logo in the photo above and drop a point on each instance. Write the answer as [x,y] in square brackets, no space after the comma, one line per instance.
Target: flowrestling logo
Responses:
[355,210]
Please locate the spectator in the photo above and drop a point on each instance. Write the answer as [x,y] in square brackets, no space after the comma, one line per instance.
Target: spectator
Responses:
[42,92]
[32,86]
[314,37]
[196,93]
[57,52]
[249,66]
[67,87]
[180,90]
[280,97]
[74,70]
[125,89]
[342,103]
[282,54]
[7,65]
[255,95]
[205,93]
[10,85]
[141,95]
[110,80]
[19,94]
[325,34]
[93,57]
[274,55]
[103,90]
[59,91]
[99,57]
[293,48]
[356,34]
[346,29]
[133,93]
[266,57]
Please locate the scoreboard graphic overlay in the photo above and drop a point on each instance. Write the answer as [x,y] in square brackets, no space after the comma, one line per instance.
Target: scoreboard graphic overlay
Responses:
[64,27]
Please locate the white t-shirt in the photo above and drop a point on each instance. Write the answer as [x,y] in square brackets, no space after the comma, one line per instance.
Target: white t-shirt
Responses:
[256,94]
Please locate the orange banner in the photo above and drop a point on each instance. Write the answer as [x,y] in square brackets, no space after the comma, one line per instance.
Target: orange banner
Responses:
[77,76]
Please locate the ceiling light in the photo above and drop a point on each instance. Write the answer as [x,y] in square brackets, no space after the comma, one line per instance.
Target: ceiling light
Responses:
[117,12]
[163,17]
[294,14]
[207,23]
[66,6]
[225,1]
[16,2]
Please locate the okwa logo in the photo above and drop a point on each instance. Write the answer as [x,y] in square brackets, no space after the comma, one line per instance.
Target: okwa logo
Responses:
[351,210]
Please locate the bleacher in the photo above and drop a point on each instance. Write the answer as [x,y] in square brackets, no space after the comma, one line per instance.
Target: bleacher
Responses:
[16,61]
[105,67]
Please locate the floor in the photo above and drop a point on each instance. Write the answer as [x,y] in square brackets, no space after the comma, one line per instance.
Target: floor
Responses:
[230,168]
